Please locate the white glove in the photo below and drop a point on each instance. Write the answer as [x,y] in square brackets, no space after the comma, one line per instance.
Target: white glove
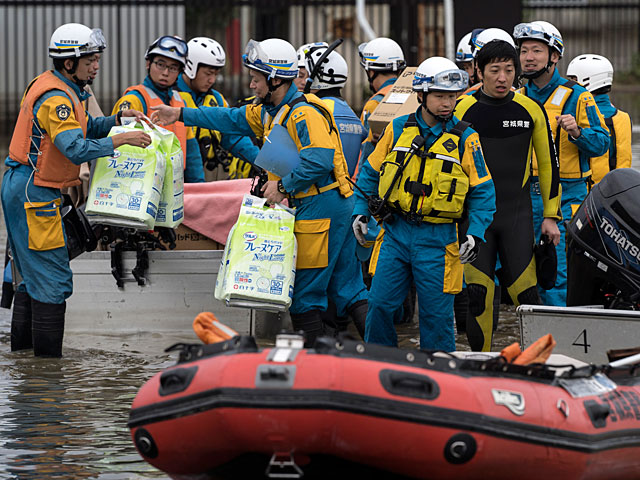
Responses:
[360,228]
[469,250]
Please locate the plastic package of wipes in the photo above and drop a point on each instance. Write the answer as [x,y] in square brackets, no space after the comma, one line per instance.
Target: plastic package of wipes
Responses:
[258,266]
[171,206]
[128,184]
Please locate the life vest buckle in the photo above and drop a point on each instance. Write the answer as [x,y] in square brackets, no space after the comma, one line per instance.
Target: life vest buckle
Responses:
[417,188]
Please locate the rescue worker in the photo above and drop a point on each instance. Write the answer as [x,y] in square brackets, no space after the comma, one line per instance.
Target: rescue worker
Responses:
[165,60]
[52,137]
[327,84]
[577,126]
[595,73]
[301,80]
[317,187]
[510,126]
[383,62]
[329,76]
[464,57]
[479,38]
[428,170]
[205,59]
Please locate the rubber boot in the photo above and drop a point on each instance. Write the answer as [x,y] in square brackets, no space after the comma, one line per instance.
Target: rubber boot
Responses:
[48,328]
[460,307]
[358,312]
[21,322]
[310,323]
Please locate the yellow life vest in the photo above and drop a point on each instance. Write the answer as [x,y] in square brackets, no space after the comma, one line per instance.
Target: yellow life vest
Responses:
[568,153]
[429,186]
[340,169]
[619,153]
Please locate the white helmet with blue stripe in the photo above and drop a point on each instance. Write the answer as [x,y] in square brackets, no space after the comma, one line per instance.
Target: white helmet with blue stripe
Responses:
[439,74]
[73,40]
[274,57]
[463,52]
[382,54]
[488,35]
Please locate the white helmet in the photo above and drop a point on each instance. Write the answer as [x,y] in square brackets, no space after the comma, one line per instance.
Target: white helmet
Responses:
[203,51]
[439,74]
[382,54]
[592,71]
[274,57]
[488,35]
[304,49]
[76,40]
[169,46]
[542,31]
[333,71]
[463,53]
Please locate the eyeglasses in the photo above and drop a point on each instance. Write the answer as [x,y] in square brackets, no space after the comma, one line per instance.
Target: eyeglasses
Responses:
[163,66]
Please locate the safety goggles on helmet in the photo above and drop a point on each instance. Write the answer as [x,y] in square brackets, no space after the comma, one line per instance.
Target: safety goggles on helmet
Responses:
[448,81]
[96,41]
[171,44]
[256,58]
[524,31]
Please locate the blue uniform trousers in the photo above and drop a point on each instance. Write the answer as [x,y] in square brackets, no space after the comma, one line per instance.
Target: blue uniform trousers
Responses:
[342,278]
[46,274]
[415,253]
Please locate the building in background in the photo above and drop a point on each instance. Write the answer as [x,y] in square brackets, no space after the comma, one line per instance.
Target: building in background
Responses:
[588,26]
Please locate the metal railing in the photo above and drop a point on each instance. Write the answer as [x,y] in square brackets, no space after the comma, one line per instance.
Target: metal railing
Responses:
[129,27]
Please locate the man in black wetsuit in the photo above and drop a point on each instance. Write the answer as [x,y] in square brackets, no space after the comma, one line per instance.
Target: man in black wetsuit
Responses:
[511,126]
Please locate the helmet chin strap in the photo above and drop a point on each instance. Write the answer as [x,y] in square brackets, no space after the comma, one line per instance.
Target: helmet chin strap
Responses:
[371,79]
[72,71]
[538,73]
[440,118]
[267,98]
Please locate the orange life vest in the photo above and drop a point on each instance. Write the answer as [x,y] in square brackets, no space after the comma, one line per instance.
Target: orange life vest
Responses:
[53,169]
[153,100]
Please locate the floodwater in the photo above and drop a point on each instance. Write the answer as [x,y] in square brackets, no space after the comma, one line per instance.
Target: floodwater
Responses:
[67,419]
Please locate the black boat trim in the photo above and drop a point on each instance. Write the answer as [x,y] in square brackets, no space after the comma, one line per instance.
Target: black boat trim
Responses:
[312,399]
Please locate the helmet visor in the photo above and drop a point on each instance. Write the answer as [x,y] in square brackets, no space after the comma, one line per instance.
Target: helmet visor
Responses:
[526,30]
[96,40]
[172,44]
[253,54]
[449,80]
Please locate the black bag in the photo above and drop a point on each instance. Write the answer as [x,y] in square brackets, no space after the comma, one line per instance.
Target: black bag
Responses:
[80,236]
[546,263]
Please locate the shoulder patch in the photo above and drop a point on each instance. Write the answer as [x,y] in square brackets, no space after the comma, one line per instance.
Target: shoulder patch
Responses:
[63,111]
[126,105]
[212,101]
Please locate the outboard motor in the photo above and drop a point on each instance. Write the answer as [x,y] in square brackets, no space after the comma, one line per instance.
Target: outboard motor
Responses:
[603,244]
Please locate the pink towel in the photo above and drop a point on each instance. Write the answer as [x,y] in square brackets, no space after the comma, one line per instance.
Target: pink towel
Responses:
[212,208]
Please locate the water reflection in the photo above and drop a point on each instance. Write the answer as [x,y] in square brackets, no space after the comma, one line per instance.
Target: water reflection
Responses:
[66,419]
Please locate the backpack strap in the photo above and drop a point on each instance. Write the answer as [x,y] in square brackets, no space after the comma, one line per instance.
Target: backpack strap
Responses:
[303,98]
[459,128]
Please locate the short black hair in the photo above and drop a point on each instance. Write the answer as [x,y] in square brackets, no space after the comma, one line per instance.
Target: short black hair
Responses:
[497,51]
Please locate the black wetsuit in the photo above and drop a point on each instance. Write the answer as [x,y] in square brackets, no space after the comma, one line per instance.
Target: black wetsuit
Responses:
[510,129]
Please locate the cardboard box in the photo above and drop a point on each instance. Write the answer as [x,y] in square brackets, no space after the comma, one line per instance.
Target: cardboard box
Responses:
[400,100]
[188,239]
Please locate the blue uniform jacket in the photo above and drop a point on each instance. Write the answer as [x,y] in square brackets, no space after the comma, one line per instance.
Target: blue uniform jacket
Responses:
[239,146]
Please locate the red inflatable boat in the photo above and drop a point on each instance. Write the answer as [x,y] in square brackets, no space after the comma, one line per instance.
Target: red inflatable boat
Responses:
[344,408]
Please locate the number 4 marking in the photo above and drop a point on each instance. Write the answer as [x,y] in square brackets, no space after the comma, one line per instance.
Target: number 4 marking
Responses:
[583,336]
